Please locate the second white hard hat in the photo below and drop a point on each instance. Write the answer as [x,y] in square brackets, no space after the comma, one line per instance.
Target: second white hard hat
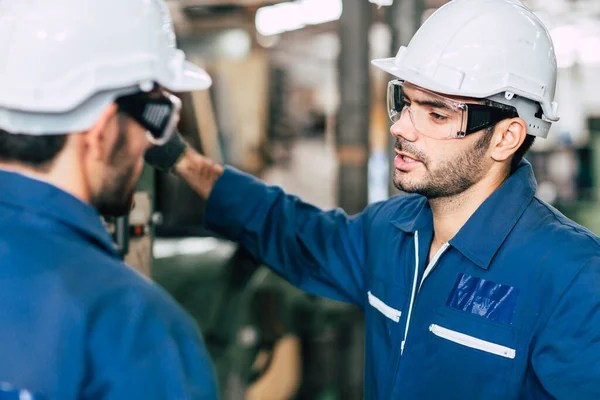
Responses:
[495,49]
[64,61]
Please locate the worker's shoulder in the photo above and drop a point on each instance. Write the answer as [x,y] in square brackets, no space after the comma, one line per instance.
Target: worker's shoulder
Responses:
[109,286]
[81,273]
[558,239]
[555,226]
[106,281]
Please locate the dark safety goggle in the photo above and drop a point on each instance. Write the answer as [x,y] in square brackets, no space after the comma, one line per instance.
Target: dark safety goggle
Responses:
[440,117]
[157,111]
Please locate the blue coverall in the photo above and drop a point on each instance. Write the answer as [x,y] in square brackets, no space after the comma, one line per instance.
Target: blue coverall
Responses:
[508,309]
[75,321]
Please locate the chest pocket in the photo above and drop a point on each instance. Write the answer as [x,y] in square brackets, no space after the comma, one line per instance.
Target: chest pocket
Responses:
[386,311]
[387,302]
[474,357]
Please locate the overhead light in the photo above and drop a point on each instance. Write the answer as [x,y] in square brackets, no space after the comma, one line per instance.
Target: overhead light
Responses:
[382,2]
[564,39]
[284,17]
[575,44]
[587,51]
[235,43]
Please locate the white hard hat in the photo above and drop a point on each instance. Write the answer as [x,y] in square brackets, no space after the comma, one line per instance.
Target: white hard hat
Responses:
[496,49]
[65,61]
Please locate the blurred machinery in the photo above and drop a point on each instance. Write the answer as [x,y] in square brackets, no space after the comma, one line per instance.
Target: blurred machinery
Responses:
[268,340]
[568,175]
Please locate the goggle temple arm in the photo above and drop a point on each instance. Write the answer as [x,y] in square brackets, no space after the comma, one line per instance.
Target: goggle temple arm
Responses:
[482,116]
[158,115]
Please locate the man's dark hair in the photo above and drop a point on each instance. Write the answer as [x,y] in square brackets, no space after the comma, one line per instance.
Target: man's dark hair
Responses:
[520,153]
[34,151]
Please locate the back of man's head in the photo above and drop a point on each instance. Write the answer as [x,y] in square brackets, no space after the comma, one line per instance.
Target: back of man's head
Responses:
[65,61]
[36,152]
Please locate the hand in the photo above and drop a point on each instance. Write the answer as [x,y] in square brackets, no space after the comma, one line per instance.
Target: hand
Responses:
[175,156]
[198,171]
[165,157]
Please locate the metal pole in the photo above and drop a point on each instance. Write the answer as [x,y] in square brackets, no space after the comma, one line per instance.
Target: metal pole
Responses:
[353,118]
[404,19]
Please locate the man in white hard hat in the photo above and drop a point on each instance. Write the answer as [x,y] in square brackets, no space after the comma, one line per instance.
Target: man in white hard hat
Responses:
[83,97]
[472,288]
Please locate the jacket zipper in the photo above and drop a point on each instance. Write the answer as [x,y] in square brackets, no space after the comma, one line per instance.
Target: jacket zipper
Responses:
[428,270]
[413,293]
[472,342]
[433,263]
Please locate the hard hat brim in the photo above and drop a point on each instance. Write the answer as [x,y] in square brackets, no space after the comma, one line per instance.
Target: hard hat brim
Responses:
[192,78]
[390,65]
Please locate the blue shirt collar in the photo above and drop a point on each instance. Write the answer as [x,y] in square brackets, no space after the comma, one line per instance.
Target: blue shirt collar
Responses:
[51,202]
[419,217]
[483,234]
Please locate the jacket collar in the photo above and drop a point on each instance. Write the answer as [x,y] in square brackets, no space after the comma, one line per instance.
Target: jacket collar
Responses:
[483,234]
[417,218]
[51,202]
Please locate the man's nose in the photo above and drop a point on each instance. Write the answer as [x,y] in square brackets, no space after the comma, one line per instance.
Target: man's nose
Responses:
[404,127]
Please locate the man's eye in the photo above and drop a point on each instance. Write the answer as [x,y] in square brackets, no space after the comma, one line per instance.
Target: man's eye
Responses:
[438,117]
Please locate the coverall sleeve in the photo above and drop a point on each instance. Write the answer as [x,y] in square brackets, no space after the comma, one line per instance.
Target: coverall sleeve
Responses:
[143,346]
[566,357]
[321,252]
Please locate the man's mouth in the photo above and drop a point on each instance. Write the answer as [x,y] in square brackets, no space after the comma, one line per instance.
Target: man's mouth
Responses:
[408,158]
[406,162]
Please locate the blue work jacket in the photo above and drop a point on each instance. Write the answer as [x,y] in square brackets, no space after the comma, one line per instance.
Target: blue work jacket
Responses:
[508,309]
[75,321]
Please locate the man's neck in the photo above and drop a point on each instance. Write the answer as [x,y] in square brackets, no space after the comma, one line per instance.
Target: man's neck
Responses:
[451,213]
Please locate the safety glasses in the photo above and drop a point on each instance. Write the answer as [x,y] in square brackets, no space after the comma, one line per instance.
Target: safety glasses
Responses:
[439,117]
[157,111]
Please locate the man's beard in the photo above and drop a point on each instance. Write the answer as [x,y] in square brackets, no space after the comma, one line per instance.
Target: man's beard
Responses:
[449,178]
[116,197]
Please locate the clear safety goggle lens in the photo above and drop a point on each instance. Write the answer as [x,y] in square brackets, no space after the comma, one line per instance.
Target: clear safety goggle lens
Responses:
[431,114]
[157,111]
[439,117]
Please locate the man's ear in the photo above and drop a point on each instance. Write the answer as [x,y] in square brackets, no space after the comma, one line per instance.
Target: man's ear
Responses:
[508,137]
[98,141]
